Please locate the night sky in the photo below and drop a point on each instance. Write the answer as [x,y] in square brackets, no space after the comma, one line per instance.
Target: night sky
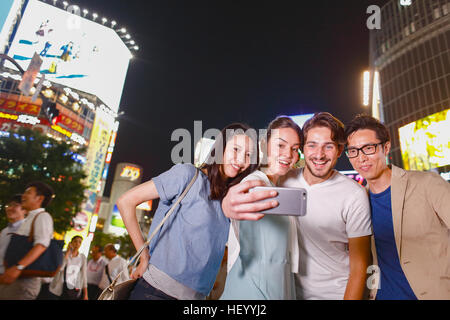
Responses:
[225,61]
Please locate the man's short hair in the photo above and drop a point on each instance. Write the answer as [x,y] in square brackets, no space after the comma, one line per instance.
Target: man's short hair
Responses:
[327,120]
[364,121]
[99,247]
[42,189]
[17,198]
[110,246]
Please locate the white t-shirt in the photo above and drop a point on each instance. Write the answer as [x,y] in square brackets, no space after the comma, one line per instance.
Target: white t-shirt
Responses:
[337,209]
[43,227]
[73,269]
[95,270]
[115,266]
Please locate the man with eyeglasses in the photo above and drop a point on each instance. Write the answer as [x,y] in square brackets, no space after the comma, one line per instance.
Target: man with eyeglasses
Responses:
[15,215]
[410,217]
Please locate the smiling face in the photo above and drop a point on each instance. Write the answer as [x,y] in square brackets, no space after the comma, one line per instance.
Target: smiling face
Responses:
[321,154]
[372,166]
[237,155]
[31,200]
[282,151]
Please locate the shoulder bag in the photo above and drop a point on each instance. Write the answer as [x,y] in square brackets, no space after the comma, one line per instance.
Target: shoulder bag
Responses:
[121,291]
[46,265]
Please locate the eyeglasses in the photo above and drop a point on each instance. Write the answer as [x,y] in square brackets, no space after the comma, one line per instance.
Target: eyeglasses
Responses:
[368,149]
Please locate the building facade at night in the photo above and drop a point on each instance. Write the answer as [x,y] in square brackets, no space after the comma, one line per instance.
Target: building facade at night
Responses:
[84,62]
[410,77]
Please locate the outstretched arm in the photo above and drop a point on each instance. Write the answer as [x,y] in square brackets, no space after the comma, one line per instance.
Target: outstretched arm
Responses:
[127,204]
[240,204]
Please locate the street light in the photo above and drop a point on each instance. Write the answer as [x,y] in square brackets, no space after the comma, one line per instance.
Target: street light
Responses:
[95,16]
[85,12]
[104,20]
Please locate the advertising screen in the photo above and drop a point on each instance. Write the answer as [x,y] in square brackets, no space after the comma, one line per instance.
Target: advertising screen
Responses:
[76,52]
[8,11]
[424,143]
[98,147]
[4,11]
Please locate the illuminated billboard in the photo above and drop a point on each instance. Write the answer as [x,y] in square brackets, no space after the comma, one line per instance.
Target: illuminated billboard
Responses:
[98,148]
[76,52]
[424,143]
[9,9]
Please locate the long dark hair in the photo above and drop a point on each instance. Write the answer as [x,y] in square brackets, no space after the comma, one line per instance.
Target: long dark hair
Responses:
[219,186]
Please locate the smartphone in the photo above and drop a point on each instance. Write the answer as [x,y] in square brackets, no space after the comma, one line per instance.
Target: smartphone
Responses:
[291,201]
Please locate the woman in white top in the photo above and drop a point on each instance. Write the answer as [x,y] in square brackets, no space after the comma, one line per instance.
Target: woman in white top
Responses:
[71,281]
[259,263]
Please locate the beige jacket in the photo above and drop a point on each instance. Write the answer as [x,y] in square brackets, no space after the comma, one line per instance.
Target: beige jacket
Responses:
[421,218]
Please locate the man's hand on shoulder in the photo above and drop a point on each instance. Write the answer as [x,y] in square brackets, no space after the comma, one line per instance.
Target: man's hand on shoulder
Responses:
[240,204]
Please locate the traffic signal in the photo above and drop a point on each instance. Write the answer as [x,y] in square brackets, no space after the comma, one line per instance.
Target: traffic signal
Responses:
[52,112]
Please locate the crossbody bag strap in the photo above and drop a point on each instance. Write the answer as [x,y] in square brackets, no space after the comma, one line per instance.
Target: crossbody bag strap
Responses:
[145,245]
[30,237]
[107,274]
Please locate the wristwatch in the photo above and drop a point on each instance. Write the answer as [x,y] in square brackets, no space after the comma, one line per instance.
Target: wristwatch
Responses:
[20,267]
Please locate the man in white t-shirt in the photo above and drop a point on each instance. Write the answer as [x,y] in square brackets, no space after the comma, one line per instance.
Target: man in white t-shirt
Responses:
[115,265]
[36,197]
[334,235]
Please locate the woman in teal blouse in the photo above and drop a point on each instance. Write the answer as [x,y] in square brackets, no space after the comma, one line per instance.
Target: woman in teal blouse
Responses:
[259,263]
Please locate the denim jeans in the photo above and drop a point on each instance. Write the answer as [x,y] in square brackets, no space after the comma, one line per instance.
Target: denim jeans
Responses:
[144,291]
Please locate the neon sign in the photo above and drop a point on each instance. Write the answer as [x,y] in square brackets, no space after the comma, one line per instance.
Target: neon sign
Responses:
[130,172]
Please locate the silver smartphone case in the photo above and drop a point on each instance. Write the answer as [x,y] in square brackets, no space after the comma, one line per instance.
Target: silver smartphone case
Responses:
[292,201]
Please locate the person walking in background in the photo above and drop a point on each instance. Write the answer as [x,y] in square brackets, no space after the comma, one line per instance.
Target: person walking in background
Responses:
[260,252]
[15,214]
[410,216]
[71,281]
[35,199]
[95,267]
[116,265]
[184,257]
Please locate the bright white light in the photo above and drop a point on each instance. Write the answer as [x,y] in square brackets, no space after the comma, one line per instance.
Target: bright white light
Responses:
[376,96]
[136,47]
[104,20]
[113,23]
[366,88]
[405,2]
[95,16]
[123,30]
[85,11]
